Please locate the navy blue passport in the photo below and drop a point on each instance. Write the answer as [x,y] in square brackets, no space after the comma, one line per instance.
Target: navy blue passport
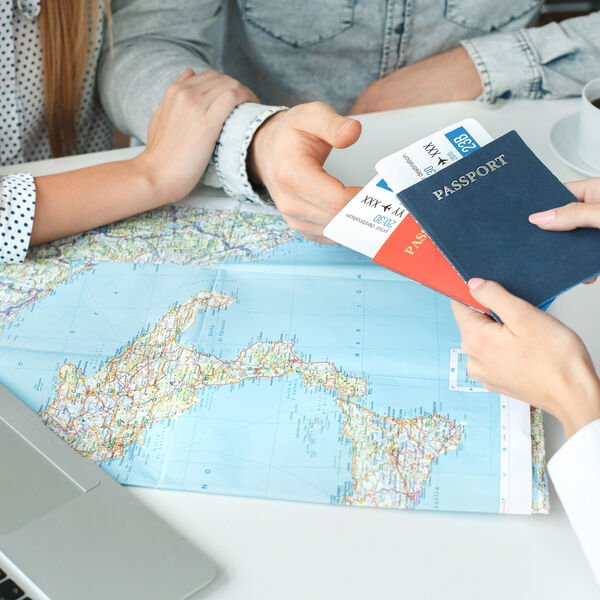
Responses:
[476,211]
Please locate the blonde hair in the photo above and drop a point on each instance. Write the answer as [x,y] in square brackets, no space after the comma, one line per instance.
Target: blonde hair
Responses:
[66,28]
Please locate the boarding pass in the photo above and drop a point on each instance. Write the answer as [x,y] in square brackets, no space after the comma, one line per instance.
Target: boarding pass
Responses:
[369,219]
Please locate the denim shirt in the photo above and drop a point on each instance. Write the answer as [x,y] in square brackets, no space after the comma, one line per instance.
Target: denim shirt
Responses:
[293,51]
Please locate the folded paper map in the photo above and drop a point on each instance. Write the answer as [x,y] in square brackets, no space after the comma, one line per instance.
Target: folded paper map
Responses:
[219,352]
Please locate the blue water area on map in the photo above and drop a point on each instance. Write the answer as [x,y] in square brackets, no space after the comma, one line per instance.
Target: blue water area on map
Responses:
[271,437]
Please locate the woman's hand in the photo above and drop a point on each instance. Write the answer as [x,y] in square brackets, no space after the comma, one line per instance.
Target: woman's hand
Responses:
[184,130]
[584,213]
[531,356]
[181,138]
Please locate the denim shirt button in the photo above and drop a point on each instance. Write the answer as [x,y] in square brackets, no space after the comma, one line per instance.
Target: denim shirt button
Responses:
[399,28]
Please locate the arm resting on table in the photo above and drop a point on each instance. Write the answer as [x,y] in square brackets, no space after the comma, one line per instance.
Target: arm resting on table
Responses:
[552,61]
[152,46]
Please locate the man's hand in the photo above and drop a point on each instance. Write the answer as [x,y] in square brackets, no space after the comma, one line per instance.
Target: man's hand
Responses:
[287,155]
[448,76]
[531,356]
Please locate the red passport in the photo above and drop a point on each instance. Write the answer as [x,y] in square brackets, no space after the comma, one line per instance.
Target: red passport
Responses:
[410,252]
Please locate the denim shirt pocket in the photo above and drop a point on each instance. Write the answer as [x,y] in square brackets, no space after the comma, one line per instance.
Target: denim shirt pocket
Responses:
[490,16]
[300,23]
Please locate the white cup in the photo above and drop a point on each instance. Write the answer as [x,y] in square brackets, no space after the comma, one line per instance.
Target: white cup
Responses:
[589,125]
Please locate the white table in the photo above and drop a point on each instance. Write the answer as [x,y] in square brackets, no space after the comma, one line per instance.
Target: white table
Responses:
[286,550]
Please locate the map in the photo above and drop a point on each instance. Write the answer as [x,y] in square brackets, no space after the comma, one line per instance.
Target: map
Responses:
[215,350]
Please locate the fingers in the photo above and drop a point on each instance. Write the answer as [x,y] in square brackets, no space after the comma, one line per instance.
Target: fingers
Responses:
[319,239]
[514,312]
[476,369]
[207,98]
[185,127]
[203,77]
[222,97]
[295,210]
[570,216]
[467,317]
[314,195]
[188,81]
[227,87]
[320,120]
[206,81]
[585,213]
[477,331]
[287,155]
[185,75]
[586,190]
[306,228]
[310,182]
[311,230]
[188,78]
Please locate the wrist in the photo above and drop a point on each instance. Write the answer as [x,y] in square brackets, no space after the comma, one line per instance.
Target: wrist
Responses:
[152,177]
[468,84]
[258,147]
[581,406]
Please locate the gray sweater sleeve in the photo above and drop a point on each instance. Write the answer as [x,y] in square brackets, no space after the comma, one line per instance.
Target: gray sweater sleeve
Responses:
[151,46]
[153,43]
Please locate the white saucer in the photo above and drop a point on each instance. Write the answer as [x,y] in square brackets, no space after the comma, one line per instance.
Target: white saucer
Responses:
[563,140]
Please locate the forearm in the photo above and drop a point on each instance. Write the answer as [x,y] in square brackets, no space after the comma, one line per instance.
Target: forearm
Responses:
[575,472]
[133,80]
[580,405]
[76,201]
[152,44]
[550,61]
[132,83]
[586,413]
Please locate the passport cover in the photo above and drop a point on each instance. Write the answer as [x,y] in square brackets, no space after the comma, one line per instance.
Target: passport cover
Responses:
[411,253]
[476,212]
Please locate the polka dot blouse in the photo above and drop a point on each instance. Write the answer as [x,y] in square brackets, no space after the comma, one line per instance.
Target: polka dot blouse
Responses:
[23,130]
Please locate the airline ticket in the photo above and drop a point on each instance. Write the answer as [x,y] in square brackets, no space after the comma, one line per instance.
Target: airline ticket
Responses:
[369,219]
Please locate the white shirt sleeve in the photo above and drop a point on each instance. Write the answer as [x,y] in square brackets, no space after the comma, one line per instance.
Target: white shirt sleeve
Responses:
[17,208]
[575,471]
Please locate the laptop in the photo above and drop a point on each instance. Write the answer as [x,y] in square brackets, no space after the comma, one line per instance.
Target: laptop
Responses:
[70,532]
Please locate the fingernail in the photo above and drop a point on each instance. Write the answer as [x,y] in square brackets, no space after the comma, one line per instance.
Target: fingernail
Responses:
[475,282]
[345,126]
[542,218]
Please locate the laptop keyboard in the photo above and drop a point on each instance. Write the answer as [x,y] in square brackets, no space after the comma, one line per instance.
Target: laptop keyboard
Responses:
[9,590]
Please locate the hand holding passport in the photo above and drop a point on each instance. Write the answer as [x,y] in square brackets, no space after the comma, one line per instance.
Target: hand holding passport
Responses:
[471,196]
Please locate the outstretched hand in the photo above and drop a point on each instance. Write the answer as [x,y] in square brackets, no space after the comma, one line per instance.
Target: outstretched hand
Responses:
[287,155]
[530,356]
